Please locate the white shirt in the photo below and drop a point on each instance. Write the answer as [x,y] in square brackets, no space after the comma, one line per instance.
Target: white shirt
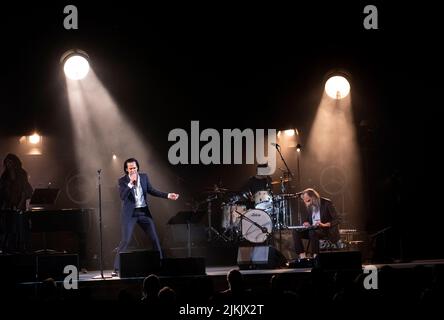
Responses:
[315,215]
[138,193]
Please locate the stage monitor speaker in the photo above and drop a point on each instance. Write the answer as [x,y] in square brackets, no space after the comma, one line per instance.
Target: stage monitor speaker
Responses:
[53,265]
[15,268]
[339,260]
[284,242]
[139,263]
[260,257]
[183,266]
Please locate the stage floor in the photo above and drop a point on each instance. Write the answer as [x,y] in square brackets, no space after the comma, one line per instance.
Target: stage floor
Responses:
[92,287]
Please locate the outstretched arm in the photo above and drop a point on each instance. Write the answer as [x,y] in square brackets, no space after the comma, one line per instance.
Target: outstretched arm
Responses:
[154,192]
[173,196]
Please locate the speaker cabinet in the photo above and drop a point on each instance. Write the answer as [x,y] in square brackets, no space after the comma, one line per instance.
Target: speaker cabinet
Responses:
[260,257]
[183,266]
[52,265]
[139,263]
[284,242]
[17,268]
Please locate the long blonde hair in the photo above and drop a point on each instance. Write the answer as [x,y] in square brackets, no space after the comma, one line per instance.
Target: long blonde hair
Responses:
[315,197]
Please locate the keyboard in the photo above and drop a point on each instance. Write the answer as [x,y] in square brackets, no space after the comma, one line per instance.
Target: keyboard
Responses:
[301,228]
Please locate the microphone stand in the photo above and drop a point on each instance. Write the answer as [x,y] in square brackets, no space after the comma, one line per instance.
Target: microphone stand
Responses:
[283,190]
[102,276]
[283,160]
[299,187]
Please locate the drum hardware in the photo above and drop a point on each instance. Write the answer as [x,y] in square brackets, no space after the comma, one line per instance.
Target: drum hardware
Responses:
[282,180]
[212,230]
[287,177]
[263,200]
[282,210]
[231,220]
[215,190]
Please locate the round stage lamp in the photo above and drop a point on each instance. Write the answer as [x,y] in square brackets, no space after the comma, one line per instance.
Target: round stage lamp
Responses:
[337,87]
[75,65]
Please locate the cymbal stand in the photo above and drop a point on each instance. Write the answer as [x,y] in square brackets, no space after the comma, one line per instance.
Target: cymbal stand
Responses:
[288,174]
[211,230]
[284,211]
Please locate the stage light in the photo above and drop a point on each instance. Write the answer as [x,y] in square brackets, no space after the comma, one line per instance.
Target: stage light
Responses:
[289,132]
[337,87]
[298,148]
[75,64]
[32,145]
[114,157]
[34,139]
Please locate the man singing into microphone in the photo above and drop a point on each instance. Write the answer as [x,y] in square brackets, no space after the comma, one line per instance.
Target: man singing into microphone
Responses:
[133,187]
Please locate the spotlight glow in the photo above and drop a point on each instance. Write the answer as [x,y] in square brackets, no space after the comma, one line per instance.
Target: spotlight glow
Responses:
[76,67]
[114,157]
[289,132]
[34,139]
[337,87]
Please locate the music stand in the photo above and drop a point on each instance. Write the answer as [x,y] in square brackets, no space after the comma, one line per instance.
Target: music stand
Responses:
[41,199]
[188,218]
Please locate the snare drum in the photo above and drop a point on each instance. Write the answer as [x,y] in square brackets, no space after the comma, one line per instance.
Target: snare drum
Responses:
[256,225]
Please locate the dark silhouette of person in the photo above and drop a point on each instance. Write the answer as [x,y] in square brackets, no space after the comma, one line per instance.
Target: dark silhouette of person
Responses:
[15,194]
[150,290]
[236,292]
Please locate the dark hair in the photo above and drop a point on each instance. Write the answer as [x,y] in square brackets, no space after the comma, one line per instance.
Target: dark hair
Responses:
[128,161]
[10,157]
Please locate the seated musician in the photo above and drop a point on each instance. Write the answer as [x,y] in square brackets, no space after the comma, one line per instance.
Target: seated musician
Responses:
[321,220]
[254,184]
[15,195]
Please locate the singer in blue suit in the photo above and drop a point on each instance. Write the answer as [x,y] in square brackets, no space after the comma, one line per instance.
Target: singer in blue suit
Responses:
[133,189]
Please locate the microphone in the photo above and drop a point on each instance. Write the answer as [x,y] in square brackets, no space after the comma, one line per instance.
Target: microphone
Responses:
[275,145]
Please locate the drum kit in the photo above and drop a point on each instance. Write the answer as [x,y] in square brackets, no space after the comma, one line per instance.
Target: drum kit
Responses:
[246,216]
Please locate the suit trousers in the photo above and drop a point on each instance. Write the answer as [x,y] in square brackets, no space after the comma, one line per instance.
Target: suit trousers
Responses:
[143,218]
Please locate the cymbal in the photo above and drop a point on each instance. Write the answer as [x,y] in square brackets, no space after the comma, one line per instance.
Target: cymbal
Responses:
[281,180]
[215,190]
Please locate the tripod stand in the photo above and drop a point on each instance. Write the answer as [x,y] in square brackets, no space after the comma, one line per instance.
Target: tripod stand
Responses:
[102,276]
[211,230]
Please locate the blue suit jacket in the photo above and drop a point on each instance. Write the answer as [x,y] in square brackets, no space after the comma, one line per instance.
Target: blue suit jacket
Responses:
[127,194]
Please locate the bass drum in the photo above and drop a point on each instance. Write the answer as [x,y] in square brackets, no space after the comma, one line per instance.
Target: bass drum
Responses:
[256,226]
